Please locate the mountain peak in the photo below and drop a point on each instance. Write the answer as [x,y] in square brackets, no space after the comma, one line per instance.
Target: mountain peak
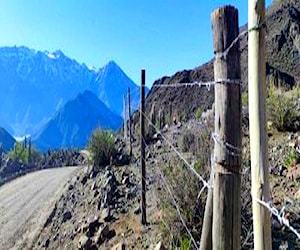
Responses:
[112,65]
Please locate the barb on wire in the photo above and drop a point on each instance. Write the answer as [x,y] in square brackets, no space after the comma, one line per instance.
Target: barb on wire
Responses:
[178,210]
[279,215]
[241,35]
[205,183]
[199,84]
[231,149]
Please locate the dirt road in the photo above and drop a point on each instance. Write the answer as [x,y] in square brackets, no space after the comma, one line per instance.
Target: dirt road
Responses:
[25,204]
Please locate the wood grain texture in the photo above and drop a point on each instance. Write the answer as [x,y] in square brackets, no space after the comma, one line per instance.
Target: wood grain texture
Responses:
[226,190]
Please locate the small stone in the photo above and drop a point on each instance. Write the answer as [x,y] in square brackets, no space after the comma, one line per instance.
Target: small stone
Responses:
[119,246]
[93,223]
[84,243]
[46,243]
[83,180]
[126,180]
[137,210]
[149,155]
[67,216]
[159,246]
[158,144]
[102,234]
[105,215]
[93,187]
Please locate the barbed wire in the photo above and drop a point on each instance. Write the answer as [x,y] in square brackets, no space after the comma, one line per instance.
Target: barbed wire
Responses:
[231,149]
[178,210]
[172,196]
[279,215]
[207,84]
[205,183]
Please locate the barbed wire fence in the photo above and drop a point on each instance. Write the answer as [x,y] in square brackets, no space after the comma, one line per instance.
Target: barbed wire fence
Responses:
[230,149]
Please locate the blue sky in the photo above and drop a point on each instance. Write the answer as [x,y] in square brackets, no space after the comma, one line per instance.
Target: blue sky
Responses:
[162,36]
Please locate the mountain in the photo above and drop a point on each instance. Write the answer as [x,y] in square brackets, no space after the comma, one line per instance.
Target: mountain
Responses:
[34,85]
[74,122]
[283,67]
[6,140]
[112,83]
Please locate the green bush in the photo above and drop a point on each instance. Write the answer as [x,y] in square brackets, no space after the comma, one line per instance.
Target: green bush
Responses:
[199,112]
[292,158]
[283,109]
[19,153]
[101,147]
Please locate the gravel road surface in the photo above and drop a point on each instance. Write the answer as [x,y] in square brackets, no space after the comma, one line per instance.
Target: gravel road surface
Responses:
[25,204]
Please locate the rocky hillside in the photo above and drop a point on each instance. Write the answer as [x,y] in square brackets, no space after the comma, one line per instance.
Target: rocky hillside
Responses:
[283,67]
[74,123]
[101,208]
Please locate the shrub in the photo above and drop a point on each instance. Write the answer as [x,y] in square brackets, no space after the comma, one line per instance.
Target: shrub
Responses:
[185,187]
[19,153]
[198,112]
[101,147]
[292,158]
[283,109]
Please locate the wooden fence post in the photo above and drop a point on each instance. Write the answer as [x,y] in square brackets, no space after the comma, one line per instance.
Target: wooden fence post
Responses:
[226,189]
[124,117]
[129,123]
[29,151]
[206,234]
[143,155]
[257,124]
[1,153]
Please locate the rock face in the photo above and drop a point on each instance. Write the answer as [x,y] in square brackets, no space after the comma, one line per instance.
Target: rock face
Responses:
[283,67]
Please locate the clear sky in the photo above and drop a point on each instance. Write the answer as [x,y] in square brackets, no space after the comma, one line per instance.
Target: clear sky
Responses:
[162,36]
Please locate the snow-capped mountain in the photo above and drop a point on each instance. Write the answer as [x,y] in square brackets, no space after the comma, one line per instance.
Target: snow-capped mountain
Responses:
[74,122]
[34,85]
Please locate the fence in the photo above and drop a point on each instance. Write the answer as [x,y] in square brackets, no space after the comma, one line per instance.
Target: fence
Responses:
[223,226]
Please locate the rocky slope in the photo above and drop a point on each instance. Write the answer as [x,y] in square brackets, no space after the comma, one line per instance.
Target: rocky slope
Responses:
[74,123]
[101,208]
[283,67]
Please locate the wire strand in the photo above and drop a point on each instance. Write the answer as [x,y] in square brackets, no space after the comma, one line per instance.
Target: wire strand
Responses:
[279,215]
[205,183]
[178,210]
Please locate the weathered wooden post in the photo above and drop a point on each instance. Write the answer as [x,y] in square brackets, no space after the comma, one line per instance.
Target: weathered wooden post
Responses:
[226,190]
[160,118]
[129,123]
[1,154]
[143,156]
[29,151]
[151,129]
[206,234]
[124,117]
[257,124]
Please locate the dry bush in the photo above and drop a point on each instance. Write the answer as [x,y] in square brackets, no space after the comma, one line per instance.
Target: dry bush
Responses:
[185,187]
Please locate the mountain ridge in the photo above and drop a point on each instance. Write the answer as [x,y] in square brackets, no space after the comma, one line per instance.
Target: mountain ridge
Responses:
[283,68]
[35,84]
[73,124]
